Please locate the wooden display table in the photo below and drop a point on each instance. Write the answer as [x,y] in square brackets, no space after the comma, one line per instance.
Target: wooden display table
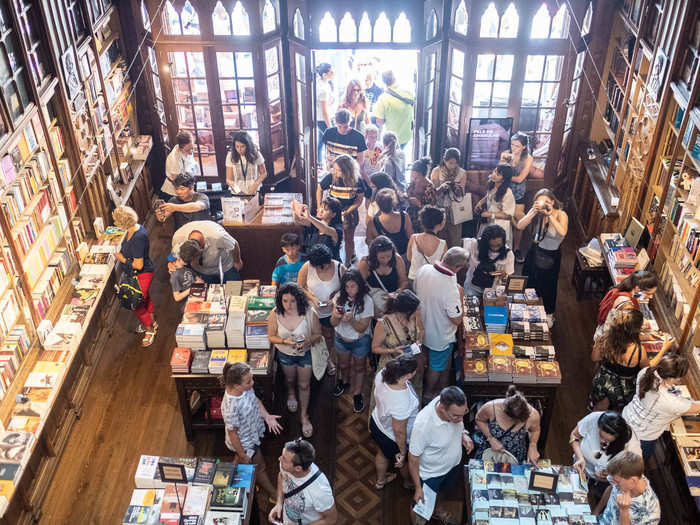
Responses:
[583,275]
[209,385]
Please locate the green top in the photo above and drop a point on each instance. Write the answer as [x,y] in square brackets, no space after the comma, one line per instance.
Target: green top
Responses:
[396,114]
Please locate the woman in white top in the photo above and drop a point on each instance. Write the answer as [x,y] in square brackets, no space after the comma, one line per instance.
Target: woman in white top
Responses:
[293,328]
[320,277]
[490,260]
[658,402]
[498,206]
[393,160]
[426,248]
[595,440]
[392,418]
[325,102]
[180,160]
[450,181]
[245,167]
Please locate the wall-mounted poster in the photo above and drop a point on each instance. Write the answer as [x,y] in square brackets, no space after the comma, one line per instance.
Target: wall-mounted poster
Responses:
[657,74]
[488,138]
[70,70]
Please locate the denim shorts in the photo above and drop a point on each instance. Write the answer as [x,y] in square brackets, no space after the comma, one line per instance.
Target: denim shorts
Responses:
[358,348]
[294,360]
[445,481]
[438,360]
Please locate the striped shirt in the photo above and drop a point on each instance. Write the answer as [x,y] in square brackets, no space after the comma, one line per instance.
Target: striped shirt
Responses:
[242,414]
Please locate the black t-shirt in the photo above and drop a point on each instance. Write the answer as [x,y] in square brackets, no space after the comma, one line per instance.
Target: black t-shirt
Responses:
[312,236]
[181,217]
[345,194]
[138,248]
[352,143]
[372,94]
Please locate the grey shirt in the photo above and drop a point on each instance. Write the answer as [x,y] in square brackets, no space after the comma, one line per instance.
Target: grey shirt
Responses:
[218,246]
[181,218]
[180,280]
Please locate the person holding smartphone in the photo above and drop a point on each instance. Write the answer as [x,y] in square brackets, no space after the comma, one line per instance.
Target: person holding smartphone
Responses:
[491,261]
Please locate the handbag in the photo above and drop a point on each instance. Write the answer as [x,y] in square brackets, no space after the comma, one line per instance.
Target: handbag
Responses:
[379,296]
[460,211]
[319,351]
[129,290]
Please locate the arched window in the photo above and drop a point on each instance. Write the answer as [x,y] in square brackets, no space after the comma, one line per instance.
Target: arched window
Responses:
[431,28]
[172,20]
[145,19]
[189,19]
[365,32]
[327,30]
[298,25]
[269,17]
[402,29]
[347,29]
[489,22]
[461,19]
[587,19]
[540,23]
[560,23]
[220,20]
[509,23]
[239,20]
[382,28]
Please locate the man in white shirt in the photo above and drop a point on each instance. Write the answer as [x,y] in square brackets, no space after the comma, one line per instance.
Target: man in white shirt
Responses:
[437,438]
[441,301]
[304,495]
[179,160]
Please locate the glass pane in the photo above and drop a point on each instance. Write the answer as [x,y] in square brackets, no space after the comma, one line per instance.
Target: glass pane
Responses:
[12,99]
[300,110]
[200,93]
[157,88]
[249,116]
[579,64]
[152,59]
[327,30]
[545,121]
[531,94]
[365,33]
[298,25]
[504,67]
[229,91]
[231,117]
[453,115]
[456,90]
[184,116]
[489,22]
[202,116]
[273,87]
[195,64]
[560,23]
[190,20]
[271,61]
[276,112]
[482,93]
[574,90]
[499,112]
[178,64]
[247,91]
[534,67]
[480,112]
[220,20]
[205,143]
[550,90]
[244,64]
[461,19]
[276,136]
[240,21]
[569,116]
[278,161]
[348,30]
[501,91]
[144,17]
[172,20]
[429,118]
[269,17]
[300,66]
[224,64]
[588,17]
[484,67]
[429,91]
[402,29]
[540,23]
[458,63]
[528,119]
[431,65]
[432,27]
[181,91]
[452,137]
[382,28]
[509,23]
[552,69]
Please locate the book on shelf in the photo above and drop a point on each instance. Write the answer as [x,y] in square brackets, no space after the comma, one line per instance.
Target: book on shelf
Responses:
[224,474]
[173,497]
[259,361]
[689,452]
[195,504]
[228,498]
[204,473]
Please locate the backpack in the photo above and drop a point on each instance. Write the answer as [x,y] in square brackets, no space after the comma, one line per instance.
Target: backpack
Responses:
[129,290]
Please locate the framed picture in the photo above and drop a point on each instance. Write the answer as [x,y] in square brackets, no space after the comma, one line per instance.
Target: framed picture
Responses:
[634,232]
[488,138]
[657,74]
[70,70]
[172,473]
[516,284]
[543,481]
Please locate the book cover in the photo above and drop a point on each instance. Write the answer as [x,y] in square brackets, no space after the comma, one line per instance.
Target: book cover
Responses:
[500,364]
[196,500]
[171,506]
[42,380]
[501,344]
[261,303]
[259,359]
[237,355]
[524,367]
[548,369]
[227,498]
[224,474]
[24,424]
[243,476]
[258,316]
[475,367]
[476,340]
[146,472]
[13,445]
[180,357]
[689,448]
[215,517]
[204,473]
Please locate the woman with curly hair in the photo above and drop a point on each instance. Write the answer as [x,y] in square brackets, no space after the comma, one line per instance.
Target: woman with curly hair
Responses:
[352,312]
[293,327]
[384,271]
[420,192]
[622,356]
[245,166]
[490,260]
[355,102]
[498,207]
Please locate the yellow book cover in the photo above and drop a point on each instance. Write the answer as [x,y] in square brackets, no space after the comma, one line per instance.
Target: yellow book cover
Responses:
[6,489]
[49,367]
[218,355]
[238,303]
[501,344]
[237,355]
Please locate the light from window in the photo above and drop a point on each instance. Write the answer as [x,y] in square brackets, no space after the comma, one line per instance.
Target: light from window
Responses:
[327,30]
[484,67]
[402,29]
[172,20]
[458,63]
[298,25]
[540,23]
[269,17]
[347,28]
[432,27]
[560,23]
[271,61]
[144,17]
[489,22]
[587,19]
[220,20]
[382,28]
[241,23]
[504,67]
[190,20]
[461,19]
[365,33]
[509,23]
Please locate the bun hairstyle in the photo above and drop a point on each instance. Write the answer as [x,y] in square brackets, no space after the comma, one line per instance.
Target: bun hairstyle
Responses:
[422,166]
[399,367]
[515,405]
[404,302]
[430,216]
[671,366]
[234,373]
[323,68]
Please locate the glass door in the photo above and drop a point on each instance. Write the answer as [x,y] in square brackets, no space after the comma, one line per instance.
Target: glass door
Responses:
[425,139]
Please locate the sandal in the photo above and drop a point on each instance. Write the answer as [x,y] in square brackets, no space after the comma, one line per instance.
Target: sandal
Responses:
[388,478]
[331,370]
[292,404]
[150,336]
[307,429]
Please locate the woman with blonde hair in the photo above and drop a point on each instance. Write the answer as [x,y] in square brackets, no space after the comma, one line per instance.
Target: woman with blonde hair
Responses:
[355,102]
[134,255]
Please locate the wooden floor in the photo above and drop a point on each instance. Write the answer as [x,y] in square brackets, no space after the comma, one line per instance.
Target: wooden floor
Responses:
[131,409]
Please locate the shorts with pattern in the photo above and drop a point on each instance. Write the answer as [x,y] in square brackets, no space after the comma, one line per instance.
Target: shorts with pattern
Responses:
[618,389]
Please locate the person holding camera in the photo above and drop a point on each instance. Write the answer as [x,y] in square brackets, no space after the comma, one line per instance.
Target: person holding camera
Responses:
[544,258]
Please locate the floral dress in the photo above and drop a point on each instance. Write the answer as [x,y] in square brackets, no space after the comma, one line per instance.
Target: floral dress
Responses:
[514,441]
[427,196]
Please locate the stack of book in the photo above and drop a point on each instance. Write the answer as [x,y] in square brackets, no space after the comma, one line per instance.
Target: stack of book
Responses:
[277,208]
[200,362]
[536,353]
[500,368]
[180,360]
[256,337]
[216,329]
[267,290]
[191,336]
[217,361]
[259,361]
[476,345]
[476,369]
[237,355]
[250,287]
[548,372]
[232,288]
[472,314]
[501,344]
[529,331]
[235,325]
[495,310]
[524,371]
[256,326]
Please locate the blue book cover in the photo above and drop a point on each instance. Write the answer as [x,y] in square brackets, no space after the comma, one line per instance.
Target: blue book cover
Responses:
[243,476]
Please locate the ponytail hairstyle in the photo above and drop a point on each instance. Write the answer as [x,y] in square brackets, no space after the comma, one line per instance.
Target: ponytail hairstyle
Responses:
[515,405]
[640,279]
[671,366]
[391,144]
[624,329]
[399,367]
[323,68]
[614,424]
[422,166]
[450,153]
[234,373]
[507,172]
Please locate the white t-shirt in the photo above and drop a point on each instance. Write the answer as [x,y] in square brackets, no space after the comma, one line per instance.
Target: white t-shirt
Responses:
[175,164]
[242,184]
[590,444]
[308,504]
[345,329]
[438,443]
[507,265]
[324,93]
[393,404]
[440,300]
[505,205]
[651,416]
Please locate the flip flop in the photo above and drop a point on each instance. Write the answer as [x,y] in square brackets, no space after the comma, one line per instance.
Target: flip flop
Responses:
[331,370]
[307,429]
[292,404]
[379,485]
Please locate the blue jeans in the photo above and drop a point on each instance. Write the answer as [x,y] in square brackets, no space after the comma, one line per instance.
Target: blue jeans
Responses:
[294,360]
[648,448]
[321,126]
[359,348]
[229,275]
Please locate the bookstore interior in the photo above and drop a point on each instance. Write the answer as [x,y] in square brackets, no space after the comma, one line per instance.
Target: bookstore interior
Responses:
[459,284]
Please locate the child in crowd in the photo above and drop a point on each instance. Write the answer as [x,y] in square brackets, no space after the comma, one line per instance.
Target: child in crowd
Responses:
[184,276]
[288,266]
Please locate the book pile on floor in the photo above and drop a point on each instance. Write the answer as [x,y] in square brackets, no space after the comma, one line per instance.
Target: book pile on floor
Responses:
[501,494]
[216,493]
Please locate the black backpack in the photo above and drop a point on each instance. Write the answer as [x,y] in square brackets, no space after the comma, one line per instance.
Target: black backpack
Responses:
[129,290]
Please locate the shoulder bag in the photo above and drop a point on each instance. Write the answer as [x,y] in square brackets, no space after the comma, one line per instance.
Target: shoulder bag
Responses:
[319,350]
[458,207]
[379,296]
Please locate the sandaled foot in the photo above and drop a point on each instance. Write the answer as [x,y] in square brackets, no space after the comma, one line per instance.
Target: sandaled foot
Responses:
[292,404]
[149,337]
[379,485]
[307,429]
[331,369]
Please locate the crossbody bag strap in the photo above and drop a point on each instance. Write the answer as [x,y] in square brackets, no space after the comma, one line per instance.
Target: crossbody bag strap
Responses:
[301,487]
[388,322]
[421,251]
[379,279]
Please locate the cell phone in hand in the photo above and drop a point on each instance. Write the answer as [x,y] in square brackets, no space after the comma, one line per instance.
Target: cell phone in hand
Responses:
[322,304]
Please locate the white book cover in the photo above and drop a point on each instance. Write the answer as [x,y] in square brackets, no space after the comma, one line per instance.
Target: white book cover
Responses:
[197,500]
[145,472]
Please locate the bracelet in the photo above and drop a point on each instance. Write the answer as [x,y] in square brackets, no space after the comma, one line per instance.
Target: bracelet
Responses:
[574,440]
